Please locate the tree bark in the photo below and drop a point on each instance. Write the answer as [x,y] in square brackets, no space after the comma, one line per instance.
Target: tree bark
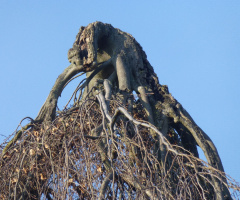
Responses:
[125,135]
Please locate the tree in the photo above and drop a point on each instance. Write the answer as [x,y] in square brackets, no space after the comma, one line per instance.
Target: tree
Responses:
[124,137]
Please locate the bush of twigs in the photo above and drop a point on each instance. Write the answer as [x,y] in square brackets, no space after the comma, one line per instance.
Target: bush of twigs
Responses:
[86,153]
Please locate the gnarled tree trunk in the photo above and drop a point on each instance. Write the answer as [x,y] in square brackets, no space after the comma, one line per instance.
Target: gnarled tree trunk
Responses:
[125,137]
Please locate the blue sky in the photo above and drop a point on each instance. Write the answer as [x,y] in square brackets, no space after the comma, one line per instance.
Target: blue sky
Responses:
[193,46]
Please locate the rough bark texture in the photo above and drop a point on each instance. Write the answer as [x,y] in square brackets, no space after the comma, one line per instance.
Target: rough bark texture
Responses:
[125,137]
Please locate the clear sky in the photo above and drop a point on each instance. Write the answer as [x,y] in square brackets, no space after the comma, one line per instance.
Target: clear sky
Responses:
[194,47]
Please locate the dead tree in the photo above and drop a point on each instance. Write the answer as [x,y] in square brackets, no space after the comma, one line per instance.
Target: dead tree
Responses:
[124,137]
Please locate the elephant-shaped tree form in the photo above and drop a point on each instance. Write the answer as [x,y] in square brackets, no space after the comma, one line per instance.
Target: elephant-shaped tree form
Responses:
[124,137]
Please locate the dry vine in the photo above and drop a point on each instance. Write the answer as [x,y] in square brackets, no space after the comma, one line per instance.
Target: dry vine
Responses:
[112,143]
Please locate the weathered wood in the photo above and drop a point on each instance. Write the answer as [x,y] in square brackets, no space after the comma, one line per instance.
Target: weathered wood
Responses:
[115,63]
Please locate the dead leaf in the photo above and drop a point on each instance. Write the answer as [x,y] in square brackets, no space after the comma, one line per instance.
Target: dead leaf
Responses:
[42,177]
[99,168]
[32,152]
[35,133]
[14,180]
[7,155]
[24,170]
